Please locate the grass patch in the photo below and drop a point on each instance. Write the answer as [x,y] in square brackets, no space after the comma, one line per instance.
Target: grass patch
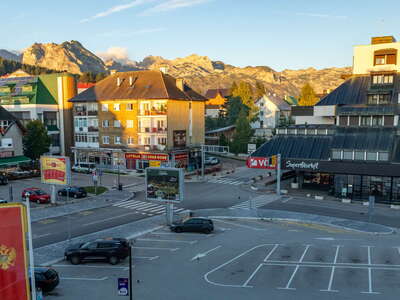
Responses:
[91,189]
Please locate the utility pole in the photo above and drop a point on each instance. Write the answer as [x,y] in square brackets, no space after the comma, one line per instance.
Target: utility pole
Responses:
[278,175]
[130,272]
[31,262]
[203,158]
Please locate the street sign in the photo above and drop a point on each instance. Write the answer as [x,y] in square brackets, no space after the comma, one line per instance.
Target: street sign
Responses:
[55,170]
[164,184]
[251,148]
[262,162]
[123,289]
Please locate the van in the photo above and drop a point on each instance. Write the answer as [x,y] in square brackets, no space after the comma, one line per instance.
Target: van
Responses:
[84,167]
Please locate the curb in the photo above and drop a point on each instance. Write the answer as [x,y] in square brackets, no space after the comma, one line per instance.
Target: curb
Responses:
[393,231]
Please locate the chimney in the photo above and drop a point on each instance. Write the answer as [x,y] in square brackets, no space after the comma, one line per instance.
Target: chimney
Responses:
[180,84]
[112,72]
[118,81]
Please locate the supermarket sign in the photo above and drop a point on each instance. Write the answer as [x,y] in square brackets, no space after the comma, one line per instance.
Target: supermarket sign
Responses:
[55,170]
[147,156]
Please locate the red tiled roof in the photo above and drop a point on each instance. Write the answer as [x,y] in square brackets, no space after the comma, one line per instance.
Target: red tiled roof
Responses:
[85,85]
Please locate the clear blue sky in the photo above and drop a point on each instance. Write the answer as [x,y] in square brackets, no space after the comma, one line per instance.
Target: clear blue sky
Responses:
[281,34]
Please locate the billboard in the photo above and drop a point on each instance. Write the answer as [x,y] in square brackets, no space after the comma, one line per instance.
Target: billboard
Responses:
[261,162]
[164,184]
[14,282]
[55,169]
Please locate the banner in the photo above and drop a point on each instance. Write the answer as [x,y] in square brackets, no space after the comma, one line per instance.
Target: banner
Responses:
[55,169]
[164,184]
[14,283]
[261,162]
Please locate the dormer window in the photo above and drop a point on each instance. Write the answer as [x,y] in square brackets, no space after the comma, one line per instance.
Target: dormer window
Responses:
[385,57]
[382,79]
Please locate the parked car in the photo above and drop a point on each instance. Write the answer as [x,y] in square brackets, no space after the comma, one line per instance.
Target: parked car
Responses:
[46,278]
[211,160]
[3,179]
[84,168]
[112,250]
[36,195]
[2,201]
[73,191]
[194,225]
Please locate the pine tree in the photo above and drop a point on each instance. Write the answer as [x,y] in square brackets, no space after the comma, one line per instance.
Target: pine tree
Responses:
[242,135]
[307,96]
[245,93]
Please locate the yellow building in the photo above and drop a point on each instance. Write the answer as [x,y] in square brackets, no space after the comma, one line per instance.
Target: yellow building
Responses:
[216,101]
[138,118]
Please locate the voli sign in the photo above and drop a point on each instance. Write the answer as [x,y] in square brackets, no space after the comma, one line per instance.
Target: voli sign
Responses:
[261,162]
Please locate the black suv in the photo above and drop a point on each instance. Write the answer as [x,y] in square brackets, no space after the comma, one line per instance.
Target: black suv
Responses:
[46,278]
[194,225]
[73,191]
[112,250]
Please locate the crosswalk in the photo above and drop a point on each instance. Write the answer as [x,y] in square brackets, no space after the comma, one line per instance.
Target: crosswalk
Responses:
[135,187]
[146,208]
[256,202]
[231,181]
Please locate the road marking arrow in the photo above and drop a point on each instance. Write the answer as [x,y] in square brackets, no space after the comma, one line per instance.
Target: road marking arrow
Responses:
[201,255]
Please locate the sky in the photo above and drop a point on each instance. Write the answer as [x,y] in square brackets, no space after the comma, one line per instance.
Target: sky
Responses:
[285,34]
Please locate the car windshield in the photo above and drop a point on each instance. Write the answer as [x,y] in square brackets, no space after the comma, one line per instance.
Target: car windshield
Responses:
[40,192]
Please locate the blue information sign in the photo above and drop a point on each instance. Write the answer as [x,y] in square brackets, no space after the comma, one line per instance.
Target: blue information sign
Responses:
[123,289]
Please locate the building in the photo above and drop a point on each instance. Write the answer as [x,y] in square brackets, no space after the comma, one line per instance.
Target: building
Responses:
[214,137]
[349,143]
[215,104]
[43,97]
[273,112]
[11,135]
[138,119]
[83,86]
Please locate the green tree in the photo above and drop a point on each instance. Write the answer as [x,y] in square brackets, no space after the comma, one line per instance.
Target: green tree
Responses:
[223,141]
[260,89]
[36,140]
[245,92]
[234,106]
[242,135]
[307,96]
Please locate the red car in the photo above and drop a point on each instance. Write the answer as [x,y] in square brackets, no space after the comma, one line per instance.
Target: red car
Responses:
[36,195]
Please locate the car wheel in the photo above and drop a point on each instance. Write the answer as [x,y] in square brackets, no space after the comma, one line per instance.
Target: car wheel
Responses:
[60,194]
[178,229]
[75,260]
[113,260]
[75,196]
[207,231]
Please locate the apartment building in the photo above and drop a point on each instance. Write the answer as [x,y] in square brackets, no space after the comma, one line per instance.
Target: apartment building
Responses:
[349,142]
[138,119]
[43,97]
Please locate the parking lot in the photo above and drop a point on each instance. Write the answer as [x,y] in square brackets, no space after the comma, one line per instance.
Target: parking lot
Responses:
[246,259]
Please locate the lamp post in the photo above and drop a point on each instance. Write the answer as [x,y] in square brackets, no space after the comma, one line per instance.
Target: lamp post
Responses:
[31,263]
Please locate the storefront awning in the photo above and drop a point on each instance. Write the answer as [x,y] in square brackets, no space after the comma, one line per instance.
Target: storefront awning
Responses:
[13,160]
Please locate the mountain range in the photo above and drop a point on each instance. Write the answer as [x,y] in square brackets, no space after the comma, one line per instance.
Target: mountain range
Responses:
[200,72]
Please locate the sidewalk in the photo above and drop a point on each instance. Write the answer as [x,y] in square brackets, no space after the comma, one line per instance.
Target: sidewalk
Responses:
[102,200]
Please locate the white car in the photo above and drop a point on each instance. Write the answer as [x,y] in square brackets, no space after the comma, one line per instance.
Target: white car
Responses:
[2,201]
[210,160]
[84,168]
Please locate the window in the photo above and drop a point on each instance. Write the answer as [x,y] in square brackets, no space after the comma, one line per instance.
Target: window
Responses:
[383,156]
[371,156]
[343,120]
[7,143]
[116,106]
[377,121]
[105,123]
[347,154]
[261,113]
[104,107]
[379,99]
[117,140]
[129,140]
[261,124]
[359,155]
[129,123]
[321,131]
[365,121]
[106,139]
[146,141]
[382,79]
[4,125]
[379,60]
[117,123]
[354,120]
[389,121]
[336,154]
[81,138]
[129,106]
[385,57]
[93,122]
[162,141]
[55,140]
[93,139]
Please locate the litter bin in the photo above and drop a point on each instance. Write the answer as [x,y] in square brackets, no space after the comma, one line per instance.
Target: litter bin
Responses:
[119,187]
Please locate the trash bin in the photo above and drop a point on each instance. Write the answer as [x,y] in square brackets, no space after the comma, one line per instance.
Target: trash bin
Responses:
[119,187]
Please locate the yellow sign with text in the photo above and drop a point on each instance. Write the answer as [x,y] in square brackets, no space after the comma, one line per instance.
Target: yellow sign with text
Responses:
[155,163]
[55,169]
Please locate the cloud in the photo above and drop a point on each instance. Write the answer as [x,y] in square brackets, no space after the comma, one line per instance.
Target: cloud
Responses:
[324,16]
[123,34]
[116,9]
[172,5]
[118,54]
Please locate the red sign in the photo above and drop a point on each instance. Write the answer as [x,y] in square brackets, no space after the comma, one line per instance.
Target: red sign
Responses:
[181,156]
[13,261]
[261,162]
[147,156]
[7,154]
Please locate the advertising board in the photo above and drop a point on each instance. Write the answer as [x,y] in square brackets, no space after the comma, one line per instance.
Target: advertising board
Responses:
[55,170]
[261,162]
[164,184]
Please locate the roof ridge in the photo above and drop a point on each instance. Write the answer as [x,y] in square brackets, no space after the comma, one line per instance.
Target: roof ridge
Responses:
[163,82]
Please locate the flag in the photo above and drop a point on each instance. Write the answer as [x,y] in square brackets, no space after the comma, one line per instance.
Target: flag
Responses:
[14,283]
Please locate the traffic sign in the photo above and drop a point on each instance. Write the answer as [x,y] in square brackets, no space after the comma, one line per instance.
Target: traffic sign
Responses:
[123,289]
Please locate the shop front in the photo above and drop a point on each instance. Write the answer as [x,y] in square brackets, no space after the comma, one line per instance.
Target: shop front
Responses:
[141,160]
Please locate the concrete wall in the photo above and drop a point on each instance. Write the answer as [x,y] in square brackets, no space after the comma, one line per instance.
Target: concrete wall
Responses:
[15,134]
[313,120]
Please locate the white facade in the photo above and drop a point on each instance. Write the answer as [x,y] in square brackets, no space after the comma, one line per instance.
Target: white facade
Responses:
[301,120]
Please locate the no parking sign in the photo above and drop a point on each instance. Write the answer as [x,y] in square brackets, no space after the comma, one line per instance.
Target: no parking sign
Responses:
[123,289]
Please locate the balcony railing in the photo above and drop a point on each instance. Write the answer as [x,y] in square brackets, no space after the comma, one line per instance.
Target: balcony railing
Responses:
[153,112]
[152,130]
[93,129]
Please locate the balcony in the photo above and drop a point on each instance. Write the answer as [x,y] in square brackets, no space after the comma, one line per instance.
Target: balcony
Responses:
[153,112]
[93,129]
[153,130]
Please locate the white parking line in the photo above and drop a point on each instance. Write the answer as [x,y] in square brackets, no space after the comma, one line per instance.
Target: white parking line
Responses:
[270,253]
[201,255]
[146,257]
[108,219]
[156,248]
[40,236]
[369,273]
[174,241]
[239,225]
[85,266]
[83,278]
[332,272]
[295,270]
[252,275]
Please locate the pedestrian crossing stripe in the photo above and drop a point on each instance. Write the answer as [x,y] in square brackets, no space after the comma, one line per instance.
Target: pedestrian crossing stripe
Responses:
[246,204]
[226,181]
[146,207]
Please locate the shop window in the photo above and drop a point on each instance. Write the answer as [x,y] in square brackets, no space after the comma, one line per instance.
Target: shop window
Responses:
[336,154]
[301,131]
[383,156]
[365,121]
[292,131]
[321,131]
[371,156]
[343,120]
[106,139]
[347,154]
[281,131]
[354,120]
[359,155]
[104,107]
[377,121]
